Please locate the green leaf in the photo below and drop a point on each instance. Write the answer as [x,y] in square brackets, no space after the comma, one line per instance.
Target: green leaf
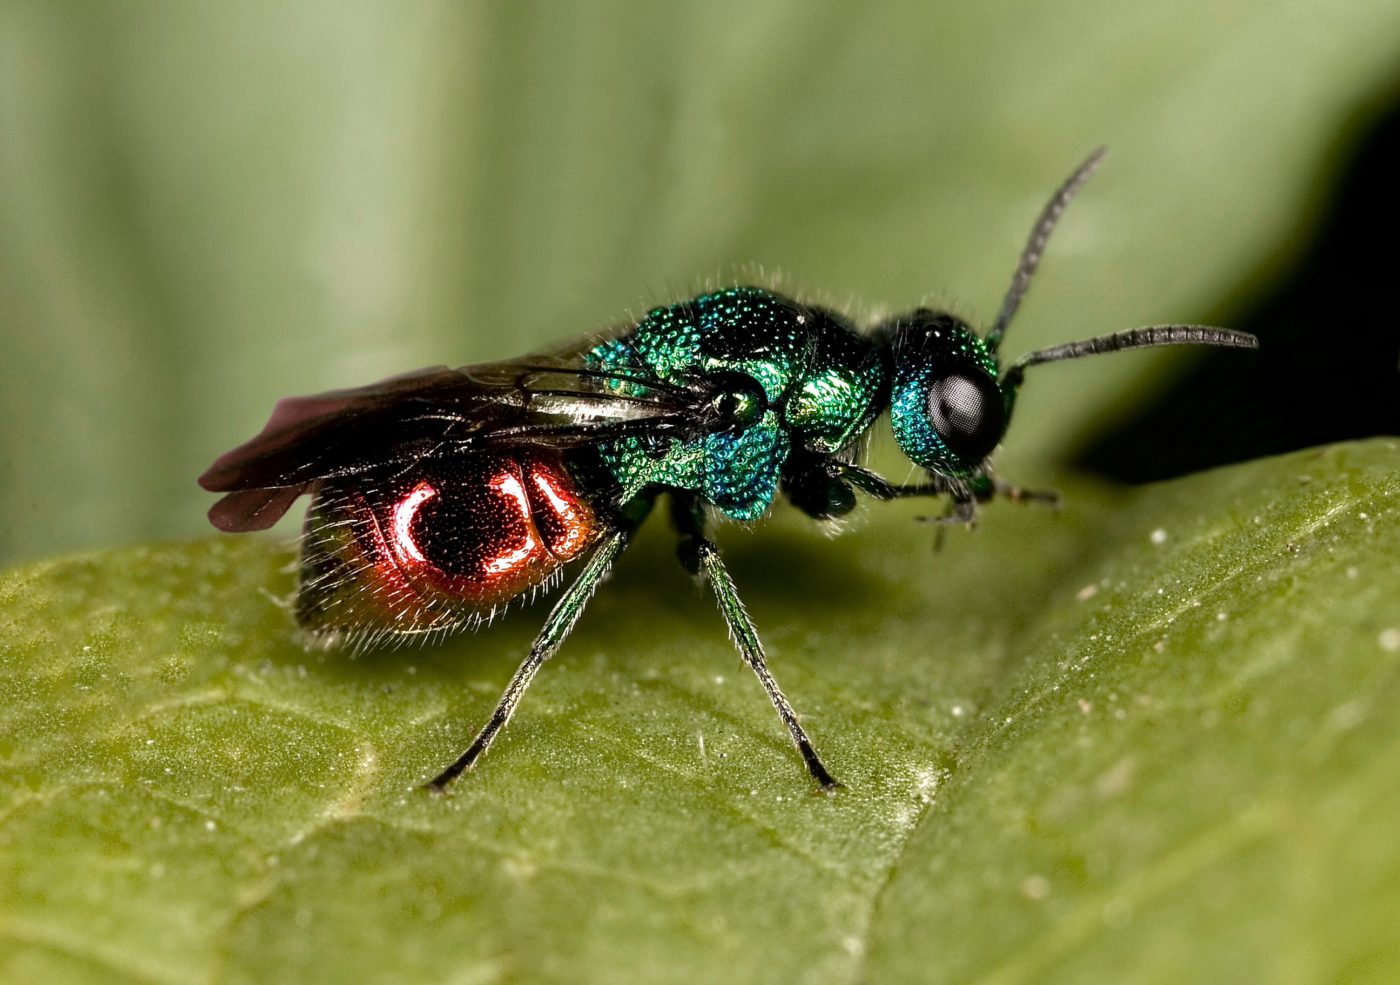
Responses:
[1152,738]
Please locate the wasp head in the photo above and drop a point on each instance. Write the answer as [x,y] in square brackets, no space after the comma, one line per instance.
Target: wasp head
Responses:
[949,401]
[946,408]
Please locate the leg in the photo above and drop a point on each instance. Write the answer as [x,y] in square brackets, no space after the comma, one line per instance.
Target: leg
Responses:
[742,629]
[957,513]
[961,510]
[1018,495]
[556,628]
[981,489]
[700,555]
[823,488]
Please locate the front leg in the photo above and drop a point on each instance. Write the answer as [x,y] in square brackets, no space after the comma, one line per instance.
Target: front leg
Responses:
[1016,494]
[700,556]
[966,494]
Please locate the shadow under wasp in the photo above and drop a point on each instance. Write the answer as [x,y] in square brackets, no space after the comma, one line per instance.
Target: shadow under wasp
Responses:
[439,497]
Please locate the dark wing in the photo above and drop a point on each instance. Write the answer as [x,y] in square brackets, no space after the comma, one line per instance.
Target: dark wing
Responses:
[397,423]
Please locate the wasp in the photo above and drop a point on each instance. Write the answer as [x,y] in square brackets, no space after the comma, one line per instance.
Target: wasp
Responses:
[439,497]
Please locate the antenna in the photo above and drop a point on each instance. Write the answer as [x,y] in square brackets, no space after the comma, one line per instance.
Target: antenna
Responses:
[1132,338]
[1035,245]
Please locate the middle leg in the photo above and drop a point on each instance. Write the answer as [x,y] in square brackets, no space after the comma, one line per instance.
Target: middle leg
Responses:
[700,556]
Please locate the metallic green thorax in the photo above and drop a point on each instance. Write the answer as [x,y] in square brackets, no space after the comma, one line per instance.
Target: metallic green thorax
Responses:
[823,384]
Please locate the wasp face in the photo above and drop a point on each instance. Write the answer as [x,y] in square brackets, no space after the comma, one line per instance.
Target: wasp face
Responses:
[946,409]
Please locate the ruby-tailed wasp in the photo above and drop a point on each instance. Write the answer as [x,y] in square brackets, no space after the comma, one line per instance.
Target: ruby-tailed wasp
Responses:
[439,497]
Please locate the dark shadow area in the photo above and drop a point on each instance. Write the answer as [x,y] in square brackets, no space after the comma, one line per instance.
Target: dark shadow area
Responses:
[1329,336]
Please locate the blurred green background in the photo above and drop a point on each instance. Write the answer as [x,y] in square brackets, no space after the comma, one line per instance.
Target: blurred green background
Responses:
[206,206]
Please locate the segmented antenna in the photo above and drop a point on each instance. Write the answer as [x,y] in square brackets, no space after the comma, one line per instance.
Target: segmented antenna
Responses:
[1132,338]
[1035,245]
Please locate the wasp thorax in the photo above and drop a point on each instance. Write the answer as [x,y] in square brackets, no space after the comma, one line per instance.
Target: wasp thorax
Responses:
[946,409]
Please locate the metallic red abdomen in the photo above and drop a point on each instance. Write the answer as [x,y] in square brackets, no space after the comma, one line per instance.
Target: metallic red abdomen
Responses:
[441,545]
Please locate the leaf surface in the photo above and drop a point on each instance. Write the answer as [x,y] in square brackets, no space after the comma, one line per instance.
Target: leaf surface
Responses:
[1152,737]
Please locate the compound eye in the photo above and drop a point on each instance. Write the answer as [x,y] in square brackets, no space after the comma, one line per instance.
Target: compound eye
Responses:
[967,411]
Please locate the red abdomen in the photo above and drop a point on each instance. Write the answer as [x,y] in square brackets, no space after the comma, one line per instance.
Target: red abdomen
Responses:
[440,546]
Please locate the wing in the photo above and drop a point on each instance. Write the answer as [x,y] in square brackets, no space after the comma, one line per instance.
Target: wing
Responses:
[393,426]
